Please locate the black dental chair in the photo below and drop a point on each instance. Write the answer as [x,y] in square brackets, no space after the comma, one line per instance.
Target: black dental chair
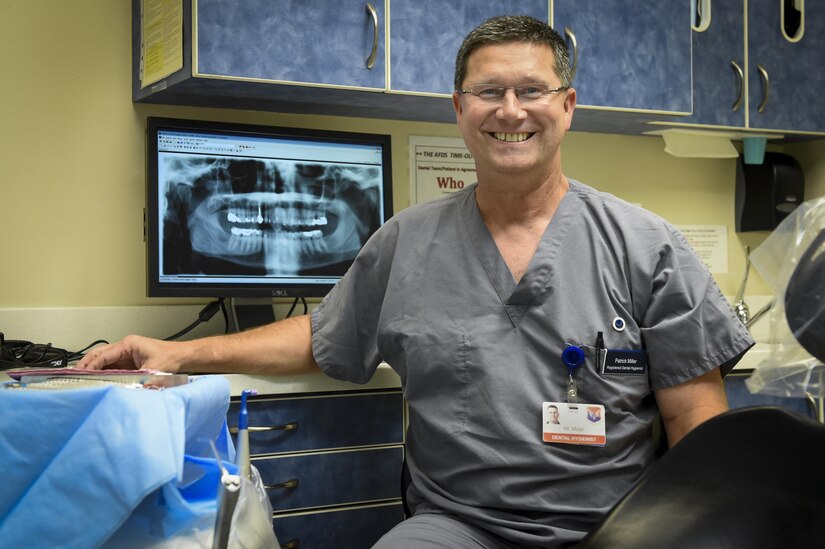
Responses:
[751,478]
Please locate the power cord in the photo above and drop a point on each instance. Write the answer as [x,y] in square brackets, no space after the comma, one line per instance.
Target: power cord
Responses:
[25,354]
[205,315]
[294,304]
[213,307]
[225,316]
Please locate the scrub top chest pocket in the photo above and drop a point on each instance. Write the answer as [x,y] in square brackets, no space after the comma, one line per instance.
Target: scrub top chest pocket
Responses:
[621,370]
[623,359]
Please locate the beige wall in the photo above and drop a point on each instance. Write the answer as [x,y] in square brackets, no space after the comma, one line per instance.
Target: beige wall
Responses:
[811,156]
[72,168]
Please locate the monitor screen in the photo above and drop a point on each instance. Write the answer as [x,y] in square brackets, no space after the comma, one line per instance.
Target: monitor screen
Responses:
[257,211]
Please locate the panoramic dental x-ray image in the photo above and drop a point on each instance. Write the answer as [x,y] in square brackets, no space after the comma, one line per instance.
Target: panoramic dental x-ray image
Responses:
[239,216]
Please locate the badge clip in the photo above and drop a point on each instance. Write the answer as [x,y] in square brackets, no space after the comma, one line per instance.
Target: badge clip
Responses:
[572,357]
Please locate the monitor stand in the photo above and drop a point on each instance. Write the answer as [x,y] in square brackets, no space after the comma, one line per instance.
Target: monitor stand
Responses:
[244,313]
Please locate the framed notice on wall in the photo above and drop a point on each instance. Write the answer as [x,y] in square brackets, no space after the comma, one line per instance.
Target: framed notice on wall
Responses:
[161,39]
[710,242]
[438,166]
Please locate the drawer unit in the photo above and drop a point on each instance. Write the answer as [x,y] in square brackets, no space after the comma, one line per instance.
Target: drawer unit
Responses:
[331,464]
[295,424]
[347,528]
[331,478]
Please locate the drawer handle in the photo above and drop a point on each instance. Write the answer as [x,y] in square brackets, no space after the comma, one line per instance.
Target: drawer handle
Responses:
[374,15]
[291,426]
[766,85]
[291,544]
[738,71]
[291,483]
[569,33]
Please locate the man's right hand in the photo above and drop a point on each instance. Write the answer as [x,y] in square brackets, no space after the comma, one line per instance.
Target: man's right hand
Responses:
[280,348]
[134,353]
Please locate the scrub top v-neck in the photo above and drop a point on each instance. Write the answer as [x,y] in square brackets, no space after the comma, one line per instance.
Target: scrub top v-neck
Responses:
[517,297]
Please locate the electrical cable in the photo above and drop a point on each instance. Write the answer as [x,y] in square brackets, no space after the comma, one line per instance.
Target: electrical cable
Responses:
[225,317]
[205,315]
[294,304]
[292,309]
[25,354]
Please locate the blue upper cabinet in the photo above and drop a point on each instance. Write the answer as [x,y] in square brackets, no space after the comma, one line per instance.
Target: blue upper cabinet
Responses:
[779,89]
[630,55]
[297,41]
[425,36]
[395,60]
[786,65]
[719,65]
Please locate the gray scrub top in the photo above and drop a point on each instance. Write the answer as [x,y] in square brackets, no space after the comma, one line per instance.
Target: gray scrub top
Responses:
[478,354]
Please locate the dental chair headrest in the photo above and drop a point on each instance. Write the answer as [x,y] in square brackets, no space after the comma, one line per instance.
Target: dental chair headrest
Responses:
[805,299]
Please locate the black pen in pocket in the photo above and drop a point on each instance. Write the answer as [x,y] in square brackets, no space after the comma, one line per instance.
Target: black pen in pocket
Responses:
[599,347]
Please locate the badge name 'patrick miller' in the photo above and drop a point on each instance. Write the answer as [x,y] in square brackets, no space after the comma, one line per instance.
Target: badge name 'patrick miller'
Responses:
[620,362]
[573,423]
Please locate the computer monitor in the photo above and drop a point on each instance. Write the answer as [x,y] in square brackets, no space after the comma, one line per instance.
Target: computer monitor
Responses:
[253,211]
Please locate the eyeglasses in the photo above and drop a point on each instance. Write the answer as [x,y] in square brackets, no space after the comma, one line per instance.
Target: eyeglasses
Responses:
[495,94]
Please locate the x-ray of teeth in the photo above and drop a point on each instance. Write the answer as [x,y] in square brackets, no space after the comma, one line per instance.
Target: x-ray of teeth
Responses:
[265,217]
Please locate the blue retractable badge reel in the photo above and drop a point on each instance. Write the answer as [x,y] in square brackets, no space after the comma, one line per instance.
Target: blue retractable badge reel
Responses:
[573,357]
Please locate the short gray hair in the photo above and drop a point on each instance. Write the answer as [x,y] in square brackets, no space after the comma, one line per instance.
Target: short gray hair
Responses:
[505,29]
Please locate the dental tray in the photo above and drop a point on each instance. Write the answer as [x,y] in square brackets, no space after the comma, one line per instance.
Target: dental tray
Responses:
[69,378]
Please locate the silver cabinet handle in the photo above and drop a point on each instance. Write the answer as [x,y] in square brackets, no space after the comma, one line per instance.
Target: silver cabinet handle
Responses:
[569,34]
[741,75]
[291,483]
[374,15]
[285,427]
[766,85]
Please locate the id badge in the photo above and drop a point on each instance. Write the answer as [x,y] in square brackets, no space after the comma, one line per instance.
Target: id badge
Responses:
[573,423]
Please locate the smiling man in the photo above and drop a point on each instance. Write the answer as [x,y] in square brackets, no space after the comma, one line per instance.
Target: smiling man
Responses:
[525,292]
[547,265]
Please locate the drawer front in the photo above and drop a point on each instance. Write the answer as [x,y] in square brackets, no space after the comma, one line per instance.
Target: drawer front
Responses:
[357,528]
[324,422]
[334,478]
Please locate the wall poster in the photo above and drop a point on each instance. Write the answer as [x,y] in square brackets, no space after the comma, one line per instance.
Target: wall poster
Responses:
[710,242]
[438,166]
[161,44]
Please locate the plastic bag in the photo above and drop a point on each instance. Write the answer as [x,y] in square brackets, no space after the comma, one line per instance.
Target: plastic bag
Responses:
[252,519]
[789,370]
[183,516]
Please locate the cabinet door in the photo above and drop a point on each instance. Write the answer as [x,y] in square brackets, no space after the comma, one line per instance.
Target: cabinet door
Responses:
[631,55]
[348,528]
[796,81]
[307,41]
[425,36]
[718,86]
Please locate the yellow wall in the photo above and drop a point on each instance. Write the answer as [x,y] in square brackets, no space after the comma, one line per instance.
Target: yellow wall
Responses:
[72,168]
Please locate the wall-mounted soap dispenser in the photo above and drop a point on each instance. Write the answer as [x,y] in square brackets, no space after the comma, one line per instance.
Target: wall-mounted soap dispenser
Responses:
[766,193]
